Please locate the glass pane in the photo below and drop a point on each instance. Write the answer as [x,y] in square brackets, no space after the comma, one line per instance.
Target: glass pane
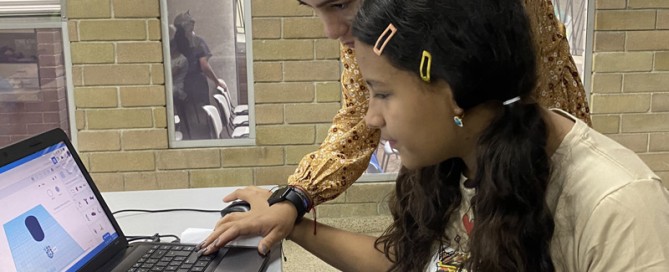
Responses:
[385,160]
[210,95]
[573,14]
[33,96]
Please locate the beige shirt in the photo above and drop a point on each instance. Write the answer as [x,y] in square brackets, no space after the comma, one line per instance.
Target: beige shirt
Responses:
[611,211]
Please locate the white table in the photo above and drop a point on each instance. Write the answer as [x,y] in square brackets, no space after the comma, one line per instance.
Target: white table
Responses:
[139,224]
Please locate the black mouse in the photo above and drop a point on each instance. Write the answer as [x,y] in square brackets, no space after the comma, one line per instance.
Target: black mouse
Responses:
[236,206]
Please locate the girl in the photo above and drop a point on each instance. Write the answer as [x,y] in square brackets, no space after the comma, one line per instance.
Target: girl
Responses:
[517,187]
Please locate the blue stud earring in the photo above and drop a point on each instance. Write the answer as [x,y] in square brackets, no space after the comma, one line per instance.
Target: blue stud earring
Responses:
[458,121]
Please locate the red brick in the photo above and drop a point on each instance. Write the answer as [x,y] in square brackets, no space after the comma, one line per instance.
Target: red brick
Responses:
[39,128]
[20,118]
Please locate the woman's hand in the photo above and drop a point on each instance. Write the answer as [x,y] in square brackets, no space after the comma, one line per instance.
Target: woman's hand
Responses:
[221,83]
[273,223]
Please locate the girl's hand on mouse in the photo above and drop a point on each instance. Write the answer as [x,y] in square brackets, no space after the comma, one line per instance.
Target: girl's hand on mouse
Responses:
[273,223]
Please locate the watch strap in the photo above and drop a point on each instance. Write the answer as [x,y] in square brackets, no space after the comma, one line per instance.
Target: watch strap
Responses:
[294,196]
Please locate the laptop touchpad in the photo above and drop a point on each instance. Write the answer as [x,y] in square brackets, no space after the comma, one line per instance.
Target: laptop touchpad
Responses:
[242,259]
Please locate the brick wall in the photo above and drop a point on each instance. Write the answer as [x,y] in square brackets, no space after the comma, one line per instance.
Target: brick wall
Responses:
[630,86]
[120,96]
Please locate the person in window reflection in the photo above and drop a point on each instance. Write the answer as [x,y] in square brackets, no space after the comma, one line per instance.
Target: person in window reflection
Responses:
[8,54]
[179,66]
[516,186]
[345,153]
[195,84]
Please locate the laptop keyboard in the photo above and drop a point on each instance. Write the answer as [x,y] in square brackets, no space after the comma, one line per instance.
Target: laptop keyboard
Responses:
[177,258]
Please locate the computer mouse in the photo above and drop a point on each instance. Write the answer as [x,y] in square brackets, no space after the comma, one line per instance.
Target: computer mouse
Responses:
[236,206]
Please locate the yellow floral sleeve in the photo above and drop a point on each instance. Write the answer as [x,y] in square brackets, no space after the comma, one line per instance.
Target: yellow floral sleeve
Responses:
[345,153]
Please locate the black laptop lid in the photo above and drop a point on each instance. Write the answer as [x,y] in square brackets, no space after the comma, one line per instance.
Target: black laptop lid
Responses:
[52,217]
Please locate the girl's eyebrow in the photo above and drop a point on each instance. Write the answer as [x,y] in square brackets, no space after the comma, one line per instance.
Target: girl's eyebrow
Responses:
[324,3]
[372,83]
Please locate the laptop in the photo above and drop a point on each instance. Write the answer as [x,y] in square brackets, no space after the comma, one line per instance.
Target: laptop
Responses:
[53,218]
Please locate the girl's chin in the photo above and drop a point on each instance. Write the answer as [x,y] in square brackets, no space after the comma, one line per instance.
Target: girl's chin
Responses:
[411,165]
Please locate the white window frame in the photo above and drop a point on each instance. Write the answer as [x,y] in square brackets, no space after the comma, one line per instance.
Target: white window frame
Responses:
[173,143]
[589,48]
[13,8]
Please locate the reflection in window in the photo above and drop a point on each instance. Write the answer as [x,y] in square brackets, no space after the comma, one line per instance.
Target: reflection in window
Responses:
[385,159]
[32,83]
[573,15]
[210,98]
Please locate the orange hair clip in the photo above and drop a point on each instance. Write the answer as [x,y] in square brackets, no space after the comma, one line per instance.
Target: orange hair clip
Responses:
[388,34]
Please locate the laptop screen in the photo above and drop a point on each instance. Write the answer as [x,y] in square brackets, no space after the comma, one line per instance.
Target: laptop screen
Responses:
[50,218]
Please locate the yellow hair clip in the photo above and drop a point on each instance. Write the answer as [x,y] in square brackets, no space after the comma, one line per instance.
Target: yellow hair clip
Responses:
[388,34]
[425,76]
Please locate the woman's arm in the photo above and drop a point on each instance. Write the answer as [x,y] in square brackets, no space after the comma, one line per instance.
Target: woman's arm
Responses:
[327,172]
[346,251]
[209,72]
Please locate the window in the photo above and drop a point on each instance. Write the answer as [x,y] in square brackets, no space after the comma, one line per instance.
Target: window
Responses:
[577,17]
[384,164]
[209,72]
[34,69]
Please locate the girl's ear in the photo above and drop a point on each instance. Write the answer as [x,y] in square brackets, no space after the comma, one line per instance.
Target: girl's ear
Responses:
[443,86]
[457,111]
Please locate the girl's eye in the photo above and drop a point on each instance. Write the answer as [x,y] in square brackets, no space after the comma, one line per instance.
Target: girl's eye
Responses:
[381,95]
[339,6]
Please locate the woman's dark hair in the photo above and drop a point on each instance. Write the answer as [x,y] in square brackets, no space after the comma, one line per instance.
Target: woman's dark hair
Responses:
[484,50]
[181,42]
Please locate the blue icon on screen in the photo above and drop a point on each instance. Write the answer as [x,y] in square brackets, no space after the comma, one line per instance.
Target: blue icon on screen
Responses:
[34,228]
[54,160]
[49,252]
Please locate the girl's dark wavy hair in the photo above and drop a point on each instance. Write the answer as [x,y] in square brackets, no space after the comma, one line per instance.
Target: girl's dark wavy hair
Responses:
[483,49]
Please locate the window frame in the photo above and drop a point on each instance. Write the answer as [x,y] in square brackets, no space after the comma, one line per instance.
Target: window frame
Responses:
[13,8]
[589,48]
[48,19]
[172,142]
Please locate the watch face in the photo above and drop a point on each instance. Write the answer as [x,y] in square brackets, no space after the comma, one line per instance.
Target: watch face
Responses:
[278,195]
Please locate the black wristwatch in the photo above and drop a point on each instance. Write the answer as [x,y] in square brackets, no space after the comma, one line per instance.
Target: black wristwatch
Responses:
[294,196]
